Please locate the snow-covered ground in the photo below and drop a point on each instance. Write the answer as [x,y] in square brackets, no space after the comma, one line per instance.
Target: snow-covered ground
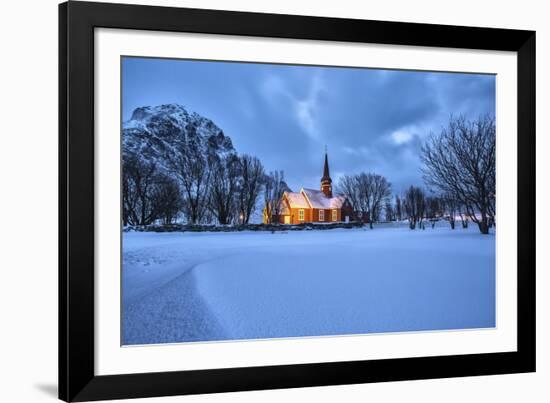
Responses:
[180,287]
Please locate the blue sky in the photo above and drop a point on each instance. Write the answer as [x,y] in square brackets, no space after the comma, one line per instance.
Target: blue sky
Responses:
[371,120]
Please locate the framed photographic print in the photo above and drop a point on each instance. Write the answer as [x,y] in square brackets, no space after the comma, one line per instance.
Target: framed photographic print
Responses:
[254,201]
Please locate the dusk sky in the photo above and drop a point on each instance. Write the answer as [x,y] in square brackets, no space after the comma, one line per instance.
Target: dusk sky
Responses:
[370,120]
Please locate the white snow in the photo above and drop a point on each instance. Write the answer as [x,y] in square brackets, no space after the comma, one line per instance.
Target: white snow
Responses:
[180,287]
[318,199]
[296,200]
[307,198]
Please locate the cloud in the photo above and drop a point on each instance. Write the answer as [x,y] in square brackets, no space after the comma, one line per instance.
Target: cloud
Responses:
[274,87]
[401,136]
[307,109]
[283,93]
[408,135]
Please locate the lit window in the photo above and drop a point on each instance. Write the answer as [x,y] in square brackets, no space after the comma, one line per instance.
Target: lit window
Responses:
[334,215]
[321,215]
[301,215]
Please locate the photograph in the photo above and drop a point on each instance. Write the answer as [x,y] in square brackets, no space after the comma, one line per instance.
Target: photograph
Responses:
[275,201]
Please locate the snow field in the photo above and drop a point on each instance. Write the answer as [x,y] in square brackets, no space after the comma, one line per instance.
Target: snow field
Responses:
[180,287]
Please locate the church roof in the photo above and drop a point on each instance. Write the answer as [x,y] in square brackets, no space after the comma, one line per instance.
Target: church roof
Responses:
[307,198]
[317,199]
[296,200]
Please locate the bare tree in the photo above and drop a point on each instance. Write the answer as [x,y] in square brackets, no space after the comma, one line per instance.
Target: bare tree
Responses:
[463,216]
[250,184]
[364,199]
[139,179]
[222,201]
[389,210]
[434,209]
[192,169]
[414,204]
[461,162]
[274,188]
[373,190]
[398,208]
[347,185]
[367,194]
[168,199]
[451,207]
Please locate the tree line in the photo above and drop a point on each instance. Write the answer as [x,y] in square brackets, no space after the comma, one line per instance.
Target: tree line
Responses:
[458,168]
[367,193]
[417,207]
[201,188]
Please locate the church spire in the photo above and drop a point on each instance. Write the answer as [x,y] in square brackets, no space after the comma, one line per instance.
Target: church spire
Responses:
[326,182]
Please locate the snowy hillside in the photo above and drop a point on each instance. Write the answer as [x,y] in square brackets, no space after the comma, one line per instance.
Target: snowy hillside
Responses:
[180,287]
[155,132]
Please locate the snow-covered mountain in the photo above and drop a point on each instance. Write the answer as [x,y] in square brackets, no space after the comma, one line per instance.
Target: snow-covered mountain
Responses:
[154,132]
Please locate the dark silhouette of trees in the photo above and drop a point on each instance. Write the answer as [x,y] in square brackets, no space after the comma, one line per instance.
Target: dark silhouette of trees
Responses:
[414,206]
[167,199]
[138,191]
[223,187]
[380,189]
[250,183]
[204,187]
[460,161]
[274,188]
[398,208]
[147,193]
[451,207]
[347,185]
[434,209]
[389,211]
[367,193]
[192,169]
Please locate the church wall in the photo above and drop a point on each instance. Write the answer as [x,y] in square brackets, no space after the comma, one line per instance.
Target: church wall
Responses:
[328,215]
[295,214]
[312,215]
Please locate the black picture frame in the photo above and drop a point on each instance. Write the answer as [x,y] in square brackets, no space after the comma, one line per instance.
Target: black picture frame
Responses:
[77,379]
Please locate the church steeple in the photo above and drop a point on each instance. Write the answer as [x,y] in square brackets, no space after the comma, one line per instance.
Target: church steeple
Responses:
[326,182]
